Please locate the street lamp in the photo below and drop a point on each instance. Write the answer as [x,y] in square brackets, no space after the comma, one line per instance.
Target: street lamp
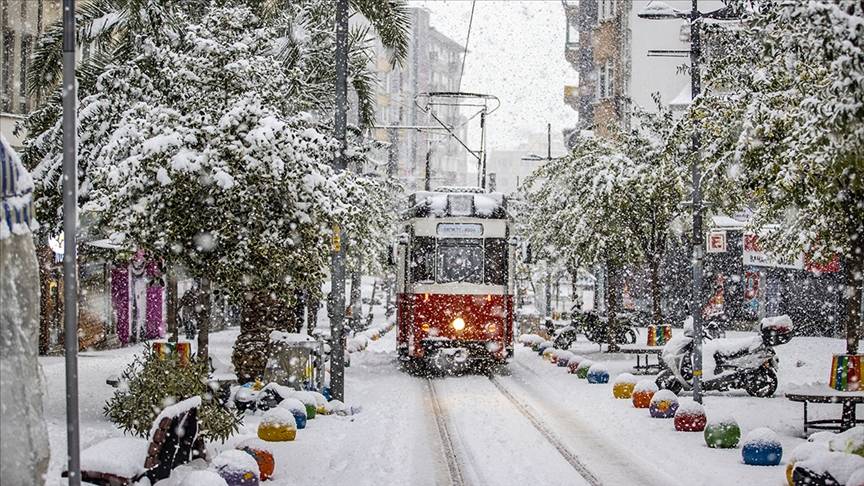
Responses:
[657,10]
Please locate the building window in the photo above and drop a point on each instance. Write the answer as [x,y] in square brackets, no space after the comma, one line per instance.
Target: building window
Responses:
[23,102]
[606,9]
[8,51]
[606,80]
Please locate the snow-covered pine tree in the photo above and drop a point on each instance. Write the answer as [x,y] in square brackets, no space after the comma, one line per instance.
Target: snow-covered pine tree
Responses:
[784,109]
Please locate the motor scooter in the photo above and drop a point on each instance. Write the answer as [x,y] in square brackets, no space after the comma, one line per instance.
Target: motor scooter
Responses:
[746,363]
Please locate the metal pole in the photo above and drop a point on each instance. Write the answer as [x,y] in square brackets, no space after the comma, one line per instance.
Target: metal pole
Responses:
[698,244]
[549,141]
[337,272]
[482,160]
[70,257]
[427,182]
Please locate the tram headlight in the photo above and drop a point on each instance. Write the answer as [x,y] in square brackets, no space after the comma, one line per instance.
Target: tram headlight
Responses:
[458,324]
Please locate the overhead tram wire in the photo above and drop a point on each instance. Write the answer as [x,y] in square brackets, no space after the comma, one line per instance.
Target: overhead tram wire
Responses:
[462,69]
[467,39]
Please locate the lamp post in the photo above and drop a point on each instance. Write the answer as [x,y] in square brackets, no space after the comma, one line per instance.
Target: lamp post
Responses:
[70,254]
[656,10]
[337,264]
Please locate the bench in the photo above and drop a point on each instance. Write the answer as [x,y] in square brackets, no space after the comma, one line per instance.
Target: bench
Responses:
[173,441]
[646,352]
[822,393]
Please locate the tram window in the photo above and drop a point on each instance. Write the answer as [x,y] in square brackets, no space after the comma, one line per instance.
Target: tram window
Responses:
[423,259]
[459,261]
[496,261]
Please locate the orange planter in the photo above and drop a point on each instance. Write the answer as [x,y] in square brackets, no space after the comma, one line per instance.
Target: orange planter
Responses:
[642,399]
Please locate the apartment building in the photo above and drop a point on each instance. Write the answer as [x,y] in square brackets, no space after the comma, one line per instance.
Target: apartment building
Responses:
[433,64]
[22,22]
[615,53]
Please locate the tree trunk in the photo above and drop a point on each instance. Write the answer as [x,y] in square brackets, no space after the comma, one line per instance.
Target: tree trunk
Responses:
[259,316]
[372,303]
[355,299]
[854,283]
[171,306]
[204,320]
[657,312]
[46,258]
[611,304]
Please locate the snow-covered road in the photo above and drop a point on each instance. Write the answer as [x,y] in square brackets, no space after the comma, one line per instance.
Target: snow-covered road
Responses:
[531,424]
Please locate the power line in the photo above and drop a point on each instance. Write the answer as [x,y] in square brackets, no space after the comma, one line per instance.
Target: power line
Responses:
[467,38]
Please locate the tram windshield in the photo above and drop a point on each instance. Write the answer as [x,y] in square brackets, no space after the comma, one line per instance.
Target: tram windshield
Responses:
[460,261]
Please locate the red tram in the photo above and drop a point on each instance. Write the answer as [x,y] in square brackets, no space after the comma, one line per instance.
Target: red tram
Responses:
[455,278]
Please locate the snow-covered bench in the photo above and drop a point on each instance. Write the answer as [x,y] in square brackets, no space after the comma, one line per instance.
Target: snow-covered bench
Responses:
[173,440]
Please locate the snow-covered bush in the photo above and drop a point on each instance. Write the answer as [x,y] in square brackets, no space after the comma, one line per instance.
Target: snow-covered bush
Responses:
[150,384]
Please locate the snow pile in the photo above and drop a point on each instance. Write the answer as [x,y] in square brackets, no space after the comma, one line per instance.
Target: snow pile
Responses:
[624,378]
[203,477]
[120,456]
[293,405]
[597,368]
[851,441]
[663,395]
[529,339]
[721,420]
[646,386]
[689,408]
[839,465]
[585,364]
[281,337]
[279,416]
[779,323]
[356,344]
[234,460]
[174,411]
[761,437]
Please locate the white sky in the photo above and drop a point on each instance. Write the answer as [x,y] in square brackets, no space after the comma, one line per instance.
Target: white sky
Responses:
[516,52]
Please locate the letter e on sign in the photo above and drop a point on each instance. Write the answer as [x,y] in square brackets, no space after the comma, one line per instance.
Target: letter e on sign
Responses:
[716,242]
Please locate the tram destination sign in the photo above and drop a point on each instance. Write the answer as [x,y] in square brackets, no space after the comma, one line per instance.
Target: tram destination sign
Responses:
[460,230]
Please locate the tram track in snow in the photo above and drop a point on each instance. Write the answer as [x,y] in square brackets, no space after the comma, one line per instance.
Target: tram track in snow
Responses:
[454,467]
[546,432]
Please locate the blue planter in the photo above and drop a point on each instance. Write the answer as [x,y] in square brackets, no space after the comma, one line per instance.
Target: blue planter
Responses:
[326,392]
[563,362]
[762,454]
[300,418]
[598,377]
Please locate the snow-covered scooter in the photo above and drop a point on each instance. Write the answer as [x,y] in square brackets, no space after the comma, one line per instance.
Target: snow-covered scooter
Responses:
[745,363]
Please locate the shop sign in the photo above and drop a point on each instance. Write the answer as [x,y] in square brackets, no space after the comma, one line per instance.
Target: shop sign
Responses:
[753,255]
[716,242]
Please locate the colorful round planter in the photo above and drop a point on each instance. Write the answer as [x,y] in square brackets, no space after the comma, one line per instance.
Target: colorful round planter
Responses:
[723,434]
[597,374]
[643,392]
[623,386]
[690,417]
[761,448]
[265,460]
[663,404]
[582,369]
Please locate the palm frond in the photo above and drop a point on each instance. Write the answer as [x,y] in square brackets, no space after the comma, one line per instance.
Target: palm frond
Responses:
[391,20]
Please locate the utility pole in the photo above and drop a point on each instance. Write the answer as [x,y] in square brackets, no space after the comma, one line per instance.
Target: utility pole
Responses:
[696,207]
[70,249]
[698,243]
[337,271]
